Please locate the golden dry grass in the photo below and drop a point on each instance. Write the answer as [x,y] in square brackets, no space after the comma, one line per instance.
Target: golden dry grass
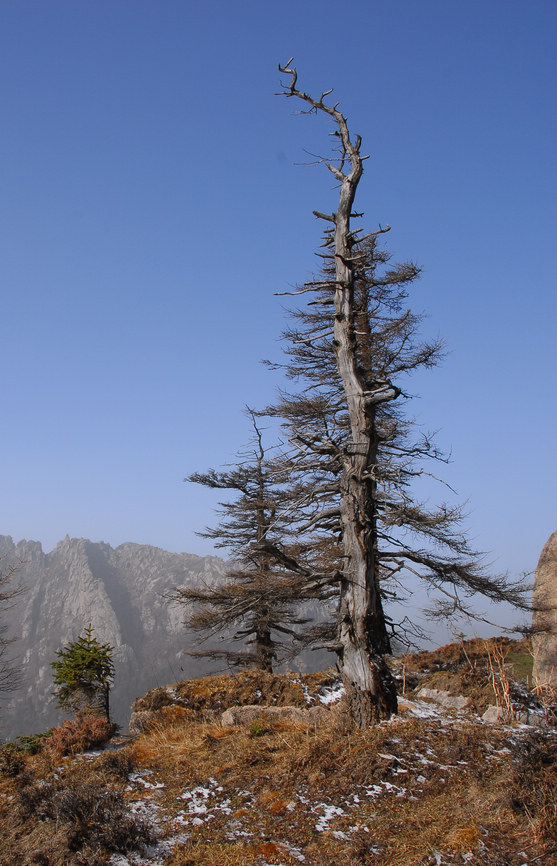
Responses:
[454,804]
[411,792]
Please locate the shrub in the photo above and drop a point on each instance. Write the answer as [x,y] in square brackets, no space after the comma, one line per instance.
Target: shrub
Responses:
[534,791]
[99,818]
[11,760]
[36,800]
[119,764]
[91,815]
[257,728]
[84,732]
[33,743]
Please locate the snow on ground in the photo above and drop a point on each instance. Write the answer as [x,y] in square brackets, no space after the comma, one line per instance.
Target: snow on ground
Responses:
[333,694]
[199,805]
[327,694]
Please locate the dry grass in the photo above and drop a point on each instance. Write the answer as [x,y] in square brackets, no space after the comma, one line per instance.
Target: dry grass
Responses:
[496,671]
[452,804]
[411,792]
[72,813]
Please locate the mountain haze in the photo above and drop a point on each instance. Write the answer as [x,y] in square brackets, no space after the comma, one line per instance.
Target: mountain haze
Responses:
[121,593]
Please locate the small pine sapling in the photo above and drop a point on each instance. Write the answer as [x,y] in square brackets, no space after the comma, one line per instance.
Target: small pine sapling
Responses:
[83,675]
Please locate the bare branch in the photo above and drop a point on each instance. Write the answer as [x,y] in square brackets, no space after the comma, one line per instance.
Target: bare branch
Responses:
[330,217]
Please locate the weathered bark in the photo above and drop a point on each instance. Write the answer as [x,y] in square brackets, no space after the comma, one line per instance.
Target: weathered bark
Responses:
[362,636]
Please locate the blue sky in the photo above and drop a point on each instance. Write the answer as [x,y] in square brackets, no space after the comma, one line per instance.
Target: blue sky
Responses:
[153,202]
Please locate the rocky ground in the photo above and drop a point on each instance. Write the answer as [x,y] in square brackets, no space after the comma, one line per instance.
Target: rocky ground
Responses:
[434,785]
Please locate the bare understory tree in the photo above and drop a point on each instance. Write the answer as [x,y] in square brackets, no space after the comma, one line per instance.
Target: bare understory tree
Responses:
[354,453]
[258,603]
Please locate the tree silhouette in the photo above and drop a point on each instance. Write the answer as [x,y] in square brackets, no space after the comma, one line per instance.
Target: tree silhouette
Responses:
[258,603]
[355,454]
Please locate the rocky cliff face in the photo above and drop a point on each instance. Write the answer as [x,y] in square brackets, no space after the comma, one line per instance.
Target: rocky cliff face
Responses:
[121,593]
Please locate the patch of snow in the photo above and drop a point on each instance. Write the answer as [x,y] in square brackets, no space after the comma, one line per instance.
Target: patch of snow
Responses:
[197,798]
[419,710]
[138,779]
[330,695]
[294,852]
[373,791]
[376,790]
[329,812]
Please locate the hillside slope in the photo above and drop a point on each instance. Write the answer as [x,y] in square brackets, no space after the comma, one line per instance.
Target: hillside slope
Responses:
[431,787]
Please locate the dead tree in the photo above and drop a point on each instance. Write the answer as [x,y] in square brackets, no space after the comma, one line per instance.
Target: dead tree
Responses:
[258,603]
[351,347]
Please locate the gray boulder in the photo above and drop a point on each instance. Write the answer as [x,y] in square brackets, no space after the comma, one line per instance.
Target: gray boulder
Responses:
[247,715]
[450,702]
[493,715]
[544,620]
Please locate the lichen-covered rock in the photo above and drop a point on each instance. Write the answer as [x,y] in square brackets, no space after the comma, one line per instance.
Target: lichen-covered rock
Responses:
[544,620]
[247,715]
[142,720]
[493,715]
[450,702]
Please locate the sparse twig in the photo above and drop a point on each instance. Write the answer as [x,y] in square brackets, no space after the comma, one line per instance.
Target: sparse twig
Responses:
[499,679]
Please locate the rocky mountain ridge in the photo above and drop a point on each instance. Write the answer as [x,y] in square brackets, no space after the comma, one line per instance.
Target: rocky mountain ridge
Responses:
[121,592]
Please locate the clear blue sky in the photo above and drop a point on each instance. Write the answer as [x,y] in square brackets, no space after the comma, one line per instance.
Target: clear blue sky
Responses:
[152,204]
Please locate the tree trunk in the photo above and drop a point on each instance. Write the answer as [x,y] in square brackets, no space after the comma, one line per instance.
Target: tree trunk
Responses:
[362,634]
[264,644]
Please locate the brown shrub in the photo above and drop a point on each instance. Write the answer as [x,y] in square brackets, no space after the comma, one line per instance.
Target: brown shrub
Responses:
[12,761]
[84,732]
[91,815]
[116,763]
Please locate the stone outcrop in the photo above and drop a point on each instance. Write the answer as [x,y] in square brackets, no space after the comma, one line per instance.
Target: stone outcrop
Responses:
[442,697]
[544,621]
[494,715]
[142,720]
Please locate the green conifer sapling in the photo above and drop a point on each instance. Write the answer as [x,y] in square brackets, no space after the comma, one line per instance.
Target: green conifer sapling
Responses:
[84,674]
